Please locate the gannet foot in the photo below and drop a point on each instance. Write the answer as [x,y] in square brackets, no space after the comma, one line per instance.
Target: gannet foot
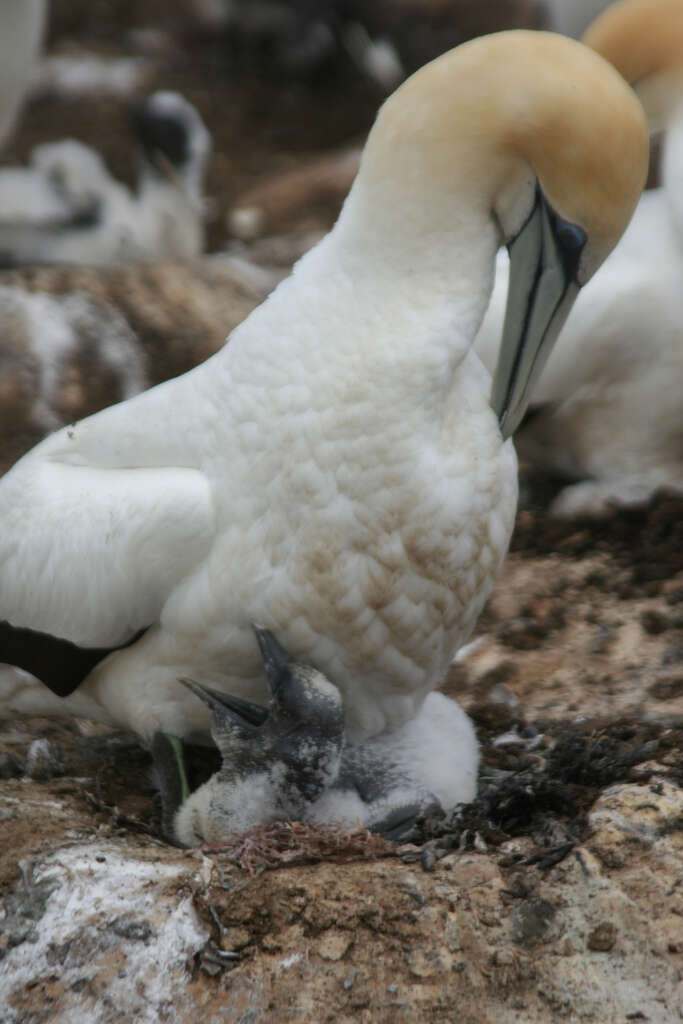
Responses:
[400,820]
[170,778]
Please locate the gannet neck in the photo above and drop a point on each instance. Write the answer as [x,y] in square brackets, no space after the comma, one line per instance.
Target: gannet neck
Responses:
[643,39]
[174,143]
[456,147]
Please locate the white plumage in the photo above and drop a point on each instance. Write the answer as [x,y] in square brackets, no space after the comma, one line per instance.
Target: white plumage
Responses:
[336,472]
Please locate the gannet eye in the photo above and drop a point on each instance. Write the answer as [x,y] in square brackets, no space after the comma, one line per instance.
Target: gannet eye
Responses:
[570,236]
[570,240]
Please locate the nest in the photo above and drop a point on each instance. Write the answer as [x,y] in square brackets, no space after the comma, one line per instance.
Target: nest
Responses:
[296,842]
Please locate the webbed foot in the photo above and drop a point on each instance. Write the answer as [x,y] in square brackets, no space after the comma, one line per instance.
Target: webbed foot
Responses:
[170,778]
[400,820]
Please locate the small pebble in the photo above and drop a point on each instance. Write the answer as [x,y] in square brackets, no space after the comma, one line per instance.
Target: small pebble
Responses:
[428,858]
[44,760]
[350,978]
[602,938]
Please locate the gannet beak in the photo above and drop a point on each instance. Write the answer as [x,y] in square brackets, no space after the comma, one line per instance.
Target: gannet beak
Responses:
[226,706]
[544,261]
[275,657]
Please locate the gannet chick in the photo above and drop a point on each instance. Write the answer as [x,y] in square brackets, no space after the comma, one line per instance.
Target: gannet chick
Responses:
[21,34]
[80,214]
[607,406]
[290,761]
[339,470]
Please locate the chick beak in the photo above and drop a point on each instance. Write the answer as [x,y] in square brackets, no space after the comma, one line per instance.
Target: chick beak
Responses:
[275,658]
[227,708]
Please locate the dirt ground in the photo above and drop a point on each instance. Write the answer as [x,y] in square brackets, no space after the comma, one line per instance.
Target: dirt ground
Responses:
[557,896]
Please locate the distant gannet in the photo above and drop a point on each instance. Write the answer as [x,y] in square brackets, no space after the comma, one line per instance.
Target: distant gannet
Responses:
[290,761]
[608,405]
[21,34]
[67,208]
[338,472]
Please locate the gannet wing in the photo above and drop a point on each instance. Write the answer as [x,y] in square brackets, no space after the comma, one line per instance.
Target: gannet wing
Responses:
[92,554]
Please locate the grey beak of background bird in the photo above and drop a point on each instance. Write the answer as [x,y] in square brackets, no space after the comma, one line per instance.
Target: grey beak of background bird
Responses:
[227,708]
[544,262]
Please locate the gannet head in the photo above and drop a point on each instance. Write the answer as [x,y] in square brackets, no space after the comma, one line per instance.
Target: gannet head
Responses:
[643,39]
[535,133]
[276,760]
[172,136]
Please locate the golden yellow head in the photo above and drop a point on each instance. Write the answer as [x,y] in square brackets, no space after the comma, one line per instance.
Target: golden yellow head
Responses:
[643,39]
[481,123]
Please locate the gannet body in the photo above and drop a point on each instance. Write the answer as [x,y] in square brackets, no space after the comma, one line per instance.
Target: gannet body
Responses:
[21,33]
[67,208]
[337,472]
[291,760]
[608,403]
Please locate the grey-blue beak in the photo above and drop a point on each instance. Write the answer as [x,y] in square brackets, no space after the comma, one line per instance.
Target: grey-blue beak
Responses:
[228,708]
[544,263]
[275,657]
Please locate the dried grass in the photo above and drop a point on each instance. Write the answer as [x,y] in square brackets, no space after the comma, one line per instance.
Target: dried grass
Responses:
[296,842]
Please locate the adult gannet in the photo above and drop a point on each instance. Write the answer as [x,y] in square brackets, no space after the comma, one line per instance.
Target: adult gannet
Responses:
[21,33]
[608,402]
[66,207]
[290,761]
[338,472]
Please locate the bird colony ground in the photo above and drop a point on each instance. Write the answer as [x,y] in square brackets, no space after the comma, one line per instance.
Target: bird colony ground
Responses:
[556,896]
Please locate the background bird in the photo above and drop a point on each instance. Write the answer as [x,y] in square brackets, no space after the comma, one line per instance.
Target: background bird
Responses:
[67,208]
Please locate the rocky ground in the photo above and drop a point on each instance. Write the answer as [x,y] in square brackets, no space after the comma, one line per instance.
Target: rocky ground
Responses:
[556,896]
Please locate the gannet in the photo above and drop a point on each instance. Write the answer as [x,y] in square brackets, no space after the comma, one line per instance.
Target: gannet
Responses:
[340,471]
[21,33]
[290,761]
[78,213]
[61,188]
[607,406]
